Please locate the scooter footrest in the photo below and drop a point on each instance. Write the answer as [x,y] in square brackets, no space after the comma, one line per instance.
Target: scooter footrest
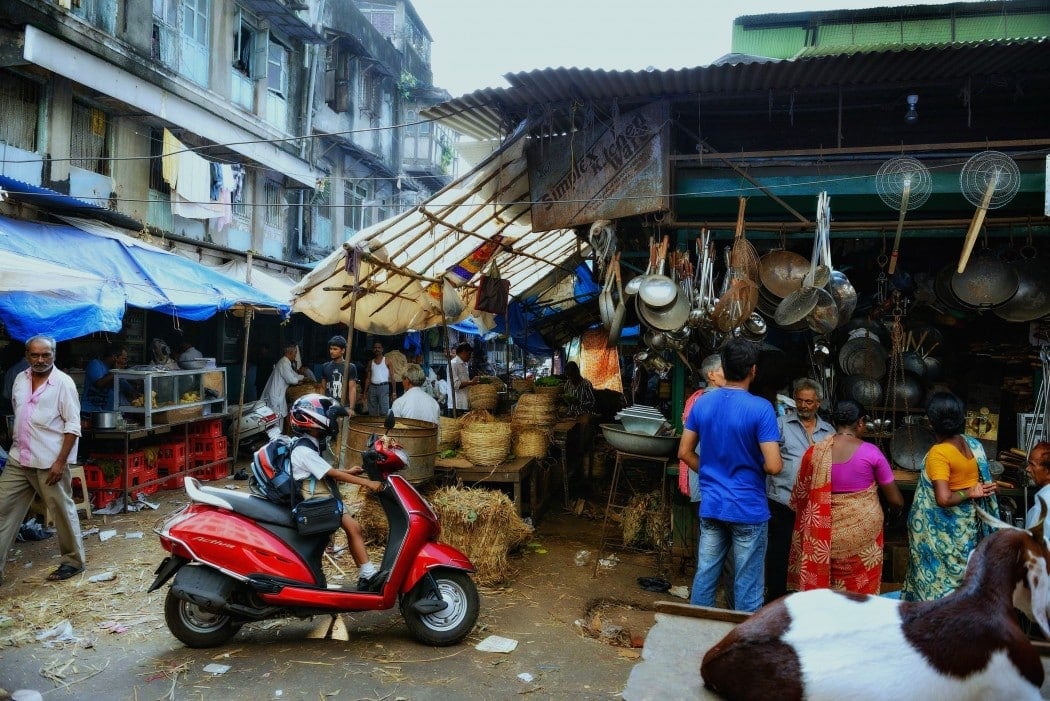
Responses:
[430,606]
[265,585]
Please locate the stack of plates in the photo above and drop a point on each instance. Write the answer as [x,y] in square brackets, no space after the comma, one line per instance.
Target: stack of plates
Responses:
[642,419]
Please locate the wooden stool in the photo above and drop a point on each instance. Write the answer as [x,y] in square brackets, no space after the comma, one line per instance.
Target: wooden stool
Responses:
[76,472]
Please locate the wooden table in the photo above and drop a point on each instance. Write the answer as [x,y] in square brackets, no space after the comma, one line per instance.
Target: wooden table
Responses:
[514,472]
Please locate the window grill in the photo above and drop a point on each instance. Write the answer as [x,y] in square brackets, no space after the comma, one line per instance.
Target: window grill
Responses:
[89,139]
[19,111]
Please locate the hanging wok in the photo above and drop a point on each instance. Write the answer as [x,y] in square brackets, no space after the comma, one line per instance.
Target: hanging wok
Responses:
[863,356]
[864,390]
[781,272]
[1032,299]
[844,294]
[909,445]
[987,282]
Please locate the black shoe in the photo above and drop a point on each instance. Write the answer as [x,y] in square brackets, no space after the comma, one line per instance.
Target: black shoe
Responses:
[370,584]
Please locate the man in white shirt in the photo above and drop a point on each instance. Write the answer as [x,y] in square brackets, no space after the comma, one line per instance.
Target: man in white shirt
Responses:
[461,377]
[46,431]
[284,375]
[1038,469]
[416,403]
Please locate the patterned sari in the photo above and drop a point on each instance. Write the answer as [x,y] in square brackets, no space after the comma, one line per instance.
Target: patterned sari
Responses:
[837,541]
[940,538]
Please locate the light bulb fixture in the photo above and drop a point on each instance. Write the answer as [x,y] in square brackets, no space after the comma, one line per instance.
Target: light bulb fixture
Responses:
[912,115]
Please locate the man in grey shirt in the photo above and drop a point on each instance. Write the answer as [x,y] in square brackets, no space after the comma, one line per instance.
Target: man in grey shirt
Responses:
[798,431]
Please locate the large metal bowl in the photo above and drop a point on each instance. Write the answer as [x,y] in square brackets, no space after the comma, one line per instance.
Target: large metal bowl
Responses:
[639,444]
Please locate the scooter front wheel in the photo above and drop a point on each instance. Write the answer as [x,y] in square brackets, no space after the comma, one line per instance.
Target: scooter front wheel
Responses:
[455,621]
[195,626]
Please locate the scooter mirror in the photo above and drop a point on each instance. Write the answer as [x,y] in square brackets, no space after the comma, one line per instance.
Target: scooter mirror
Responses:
[390,421]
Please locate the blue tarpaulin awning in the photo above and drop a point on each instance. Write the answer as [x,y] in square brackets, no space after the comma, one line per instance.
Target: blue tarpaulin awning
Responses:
[125,271]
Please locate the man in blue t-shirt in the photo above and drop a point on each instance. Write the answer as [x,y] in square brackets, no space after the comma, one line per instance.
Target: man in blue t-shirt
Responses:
[739,445]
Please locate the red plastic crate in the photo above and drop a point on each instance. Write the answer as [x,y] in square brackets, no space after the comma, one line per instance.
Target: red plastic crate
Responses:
[175,479]
[172,454]
[212,428]
[215,472]
[134,463]
[210,449]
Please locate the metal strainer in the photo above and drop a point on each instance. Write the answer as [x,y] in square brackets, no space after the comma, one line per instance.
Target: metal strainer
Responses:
[988,180]
[903,184]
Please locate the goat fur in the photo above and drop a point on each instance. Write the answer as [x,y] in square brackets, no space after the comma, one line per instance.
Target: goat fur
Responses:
[835,646]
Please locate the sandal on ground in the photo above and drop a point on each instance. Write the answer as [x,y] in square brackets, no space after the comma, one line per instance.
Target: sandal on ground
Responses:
[64,572]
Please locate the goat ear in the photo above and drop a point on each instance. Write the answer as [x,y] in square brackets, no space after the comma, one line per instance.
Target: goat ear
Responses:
[992,520]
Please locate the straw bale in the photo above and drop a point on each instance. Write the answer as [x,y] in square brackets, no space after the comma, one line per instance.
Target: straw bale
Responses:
[484,524]
[642,521]
[477,415]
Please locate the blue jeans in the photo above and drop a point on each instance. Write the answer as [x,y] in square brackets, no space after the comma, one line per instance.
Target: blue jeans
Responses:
[748,541]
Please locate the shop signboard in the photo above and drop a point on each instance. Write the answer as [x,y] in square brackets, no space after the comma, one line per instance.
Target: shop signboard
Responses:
[616,168]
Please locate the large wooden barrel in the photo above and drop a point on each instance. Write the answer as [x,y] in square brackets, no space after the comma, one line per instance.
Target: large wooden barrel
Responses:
[419,439]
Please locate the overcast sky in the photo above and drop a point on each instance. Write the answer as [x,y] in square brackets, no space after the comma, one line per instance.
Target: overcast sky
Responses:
[477,41]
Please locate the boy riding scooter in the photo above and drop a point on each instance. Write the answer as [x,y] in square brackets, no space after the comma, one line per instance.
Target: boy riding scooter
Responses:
[309,417]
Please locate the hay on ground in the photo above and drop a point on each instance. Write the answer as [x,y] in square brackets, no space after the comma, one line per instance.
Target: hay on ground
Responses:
[484,524]
[643,522]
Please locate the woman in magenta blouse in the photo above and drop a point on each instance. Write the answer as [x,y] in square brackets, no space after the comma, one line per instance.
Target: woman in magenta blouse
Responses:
[837,541]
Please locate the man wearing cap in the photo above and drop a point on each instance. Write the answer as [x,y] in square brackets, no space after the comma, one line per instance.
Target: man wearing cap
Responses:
[334,384]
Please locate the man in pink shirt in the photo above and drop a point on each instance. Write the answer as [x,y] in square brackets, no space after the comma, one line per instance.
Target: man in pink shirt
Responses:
[46,431]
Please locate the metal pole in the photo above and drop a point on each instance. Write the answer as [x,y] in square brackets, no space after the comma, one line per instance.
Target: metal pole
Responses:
[344,431]
[248,313]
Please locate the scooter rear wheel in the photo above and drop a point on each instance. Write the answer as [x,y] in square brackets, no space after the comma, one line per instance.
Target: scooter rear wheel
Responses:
[196,627]
[453,624]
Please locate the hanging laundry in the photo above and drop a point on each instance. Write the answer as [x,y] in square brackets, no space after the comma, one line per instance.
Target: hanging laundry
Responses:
[226,196]
[191,197]
[216,181]
[170,152]
[237,190]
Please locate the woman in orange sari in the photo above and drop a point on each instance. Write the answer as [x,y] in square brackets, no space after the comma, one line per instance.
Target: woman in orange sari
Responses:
[837,541]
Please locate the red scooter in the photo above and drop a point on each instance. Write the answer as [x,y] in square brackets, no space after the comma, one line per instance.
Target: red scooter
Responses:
[238,557]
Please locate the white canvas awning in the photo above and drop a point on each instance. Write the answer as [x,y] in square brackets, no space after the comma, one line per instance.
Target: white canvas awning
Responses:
[404,255]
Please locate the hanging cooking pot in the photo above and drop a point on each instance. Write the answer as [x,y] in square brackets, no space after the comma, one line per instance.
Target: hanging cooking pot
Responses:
[825,315]
[844,294]
[863,356]
[909,445]
[987,282]
[912,362]
[942,287]
[655,340]
[658,290]
[905,393]
[1032,299]
[781,272]
[669,318]
[864,390]
[933,367]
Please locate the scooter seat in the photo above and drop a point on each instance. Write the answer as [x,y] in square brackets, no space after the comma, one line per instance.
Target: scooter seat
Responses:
[254,507]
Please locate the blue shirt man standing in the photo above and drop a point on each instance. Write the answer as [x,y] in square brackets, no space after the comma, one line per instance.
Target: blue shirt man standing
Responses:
[738,441]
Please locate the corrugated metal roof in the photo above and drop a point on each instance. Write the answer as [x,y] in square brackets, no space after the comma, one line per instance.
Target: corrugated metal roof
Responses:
[486,113]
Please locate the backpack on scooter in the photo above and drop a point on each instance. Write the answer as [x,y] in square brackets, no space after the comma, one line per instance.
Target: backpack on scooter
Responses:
[272,471]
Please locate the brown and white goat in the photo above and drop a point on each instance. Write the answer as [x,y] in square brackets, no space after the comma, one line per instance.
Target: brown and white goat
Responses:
[836,646]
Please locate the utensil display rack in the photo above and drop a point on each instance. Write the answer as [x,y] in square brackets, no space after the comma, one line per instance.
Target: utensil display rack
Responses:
[134,436]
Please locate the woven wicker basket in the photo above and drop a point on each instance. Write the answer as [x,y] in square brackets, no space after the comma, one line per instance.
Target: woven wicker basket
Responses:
[551,390]
[302,389]
[486,443]
[540,415]
[448,433]
[483,396]
[522,386]
[174,416]
[531,442]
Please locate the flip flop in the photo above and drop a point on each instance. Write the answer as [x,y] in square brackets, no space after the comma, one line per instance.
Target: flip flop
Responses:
[64,572]
[654,584]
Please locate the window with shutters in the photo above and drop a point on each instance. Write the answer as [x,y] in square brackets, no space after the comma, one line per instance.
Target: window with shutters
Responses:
[246,41]
[354,197]
[19,111]
[89,139]
[273,205]
[277,85]
[181,37]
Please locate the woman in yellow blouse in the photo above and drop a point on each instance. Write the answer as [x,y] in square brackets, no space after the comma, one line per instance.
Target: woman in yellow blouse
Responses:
[943,527]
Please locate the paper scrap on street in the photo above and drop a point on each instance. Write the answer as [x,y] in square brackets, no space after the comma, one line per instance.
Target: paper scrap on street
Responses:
[216,668]
[495,643]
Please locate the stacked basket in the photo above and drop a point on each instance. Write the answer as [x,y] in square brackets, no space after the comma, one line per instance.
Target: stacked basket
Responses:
[484,396]
[531,442]
[533,416]
[301,390]
[486,442]
[448,433]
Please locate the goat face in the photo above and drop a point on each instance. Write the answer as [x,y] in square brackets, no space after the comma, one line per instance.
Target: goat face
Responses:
[1031,593]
